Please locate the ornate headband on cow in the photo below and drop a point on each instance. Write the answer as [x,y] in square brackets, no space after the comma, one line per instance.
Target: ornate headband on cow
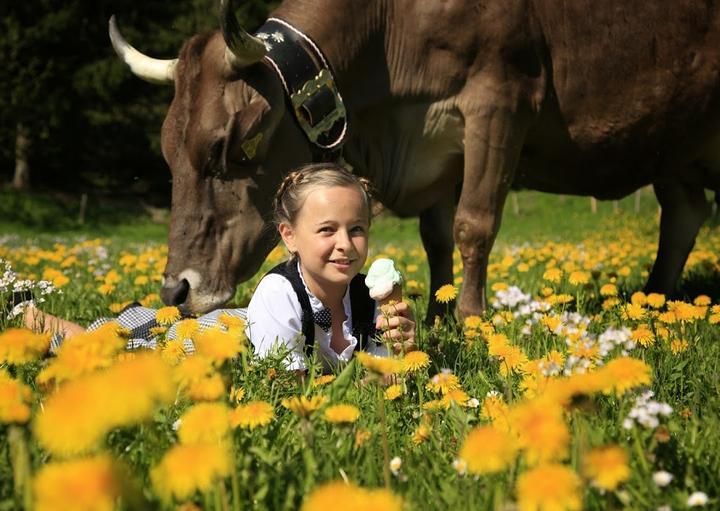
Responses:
[308,82]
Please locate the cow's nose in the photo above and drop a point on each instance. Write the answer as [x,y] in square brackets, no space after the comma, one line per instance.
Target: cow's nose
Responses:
[177,294]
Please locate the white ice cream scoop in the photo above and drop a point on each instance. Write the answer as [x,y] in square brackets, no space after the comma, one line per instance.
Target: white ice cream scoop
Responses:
[384,281]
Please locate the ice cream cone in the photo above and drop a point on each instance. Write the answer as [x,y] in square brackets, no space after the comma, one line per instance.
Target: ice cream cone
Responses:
[395,296]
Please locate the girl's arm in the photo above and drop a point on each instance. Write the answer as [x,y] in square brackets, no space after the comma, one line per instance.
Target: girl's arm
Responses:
[40,321]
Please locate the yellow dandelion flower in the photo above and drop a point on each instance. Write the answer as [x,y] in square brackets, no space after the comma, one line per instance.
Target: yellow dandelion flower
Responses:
[686,312]
[541,430]
[219,345]
[488,449]
[561,391]
[608,290]
[187,469]
[633,312]
[702,300]
[150,299]
[655,300]
[610,303]
[446,293]
[342,413]
[667,317]
[553,275]
[677,346]
[549,487]
[607,467]
[435,404]
[303,406]
[173,351]
[84,353]
[358,499]
[473,322]
[204,423]
[499,286]
[157,331]
[106,289]
[415,361]
[187,329]
[141,280]
[237,394]
[14,399]
[551,322]
[231,322]
[559,299]
[82,484]
[118,307]
[209,388]
[323,380]
[361,436]
[578,278]
[457,396]
[421,434]
[381,365]
[112,277]
[393,392]
[638,298]
[443,382]
[714,319]
[625,373]
[77,417]
[251,415]
[495,410]
[643,336]
[20,346]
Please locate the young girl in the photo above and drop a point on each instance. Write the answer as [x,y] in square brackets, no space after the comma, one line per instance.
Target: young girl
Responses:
[322,213]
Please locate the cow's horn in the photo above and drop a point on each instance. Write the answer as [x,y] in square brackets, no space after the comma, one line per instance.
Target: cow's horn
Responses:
[242,48]
[147,68]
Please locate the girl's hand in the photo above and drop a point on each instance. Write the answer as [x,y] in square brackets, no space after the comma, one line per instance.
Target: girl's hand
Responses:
[398,326]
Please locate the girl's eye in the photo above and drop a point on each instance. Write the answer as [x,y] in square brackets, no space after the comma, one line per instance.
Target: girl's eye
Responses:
[358,229]
[325,229]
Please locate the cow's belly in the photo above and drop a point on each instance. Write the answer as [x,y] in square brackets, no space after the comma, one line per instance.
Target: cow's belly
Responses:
[413,154]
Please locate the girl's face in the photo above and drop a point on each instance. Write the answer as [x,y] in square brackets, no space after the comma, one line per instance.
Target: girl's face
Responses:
[330,235]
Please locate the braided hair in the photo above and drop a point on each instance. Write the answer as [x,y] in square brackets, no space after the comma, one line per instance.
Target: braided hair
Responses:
[296,186]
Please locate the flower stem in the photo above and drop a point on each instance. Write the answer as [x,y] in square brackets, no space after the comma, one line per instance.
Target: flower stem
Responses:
[383,427]
[20,459]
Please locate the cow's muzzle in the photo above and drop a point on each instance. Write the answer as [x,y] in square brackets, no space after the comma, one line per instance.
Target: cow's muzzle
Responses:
[175,294]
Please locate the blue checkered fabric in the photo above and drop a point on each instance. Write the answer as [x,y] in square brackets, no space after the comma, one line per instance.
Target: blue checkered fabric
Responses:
[140,320]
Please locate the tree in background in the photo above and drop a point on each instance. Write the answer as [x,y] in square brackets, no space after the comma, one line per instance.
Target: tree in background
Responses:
[72,116]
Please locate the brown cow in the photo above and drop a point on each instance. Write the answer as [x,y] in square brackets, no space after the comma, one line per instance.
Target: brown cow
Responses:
[445,100]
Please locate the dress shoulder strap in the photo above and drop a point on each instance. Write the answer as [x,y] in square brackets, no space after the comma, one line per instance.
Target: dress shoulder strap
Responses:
[363,311]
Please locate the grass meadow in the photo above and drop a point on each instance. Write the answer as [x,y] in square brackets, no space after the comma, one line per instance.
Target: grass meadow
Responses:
[575,390]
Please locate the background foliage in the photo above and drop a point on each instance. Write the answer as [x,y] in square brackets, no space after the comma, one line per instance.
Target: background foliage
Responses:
[92,125]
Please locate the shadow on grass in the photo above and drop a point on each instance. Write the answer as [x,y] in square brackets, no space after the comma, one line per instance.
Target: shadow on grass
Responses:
[696,284]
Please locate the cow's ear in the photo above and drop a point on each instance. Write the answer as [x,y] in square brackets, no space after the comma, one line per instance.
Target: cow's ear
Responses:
[247,133]
[288,236]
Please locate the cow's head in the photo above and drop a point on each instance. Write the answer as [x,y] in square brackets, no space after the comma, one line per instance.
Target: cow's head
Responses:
[228,139]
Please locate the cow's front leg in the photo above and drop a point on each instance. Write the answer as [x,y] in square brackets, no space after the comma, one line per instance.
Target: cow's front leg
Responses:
[684,209]
[493,140]
[436,231]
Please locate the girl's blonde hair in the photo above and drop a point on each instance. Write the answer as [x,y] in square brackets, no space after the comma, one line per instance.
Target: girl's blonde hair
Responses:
[296,186]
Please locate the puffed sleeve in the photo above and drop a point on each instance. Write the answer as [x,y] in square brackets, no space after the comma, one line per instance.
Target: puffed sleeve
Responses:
[275,320]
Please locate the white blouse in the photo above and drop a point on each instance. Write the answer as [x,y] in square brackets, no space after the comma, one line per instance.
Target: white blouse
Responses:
[275,322]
